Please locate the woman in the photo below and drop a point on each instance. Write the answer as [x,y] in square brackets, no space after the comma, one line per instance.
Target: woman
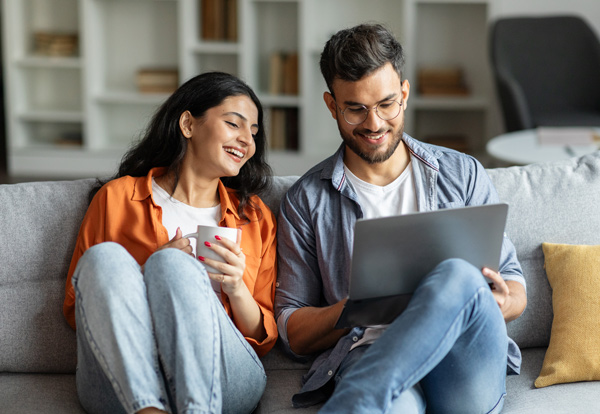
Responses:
[152,334]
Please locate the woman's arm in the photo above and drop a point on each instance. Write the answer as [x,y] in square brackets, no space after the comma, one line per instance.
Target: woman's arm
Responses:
[246,312]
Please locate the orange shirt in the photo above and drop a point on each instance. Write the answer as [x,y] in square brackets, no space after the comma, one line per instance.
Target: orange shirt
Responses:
[124,212]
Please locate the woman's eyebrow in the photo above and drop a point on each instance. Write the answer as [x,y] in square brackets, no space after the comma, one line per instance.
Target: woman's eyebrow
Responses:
[242,117]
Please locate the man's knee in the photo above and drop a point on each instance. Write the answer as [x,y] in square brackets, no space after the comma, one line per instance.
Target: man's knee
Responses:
[458,274]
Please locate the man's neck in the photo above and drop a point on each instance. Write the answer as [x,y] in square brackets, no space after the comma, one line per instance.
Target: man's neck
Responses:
[382,173]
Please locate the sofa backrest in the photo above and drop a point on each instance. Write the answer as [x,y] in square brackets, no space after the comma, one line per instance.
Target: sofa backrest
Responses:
[556,202]
[38,227]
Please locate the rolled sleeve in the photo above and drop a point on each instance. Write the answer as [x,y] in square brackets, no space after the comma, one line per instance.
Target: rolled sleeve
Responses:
[299,283]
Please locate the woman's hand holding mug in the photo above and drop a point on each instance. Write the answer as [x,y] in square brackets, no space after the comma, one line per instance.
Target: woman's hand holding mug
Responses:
[218,248]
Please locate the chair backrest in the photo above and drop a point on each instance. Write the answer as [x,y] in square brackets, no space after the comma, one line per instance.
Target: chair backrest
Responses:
[545,67]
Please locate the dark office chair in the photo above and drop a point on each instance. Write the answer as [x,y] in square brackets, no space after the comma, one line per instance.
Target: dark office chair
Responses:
[547,71]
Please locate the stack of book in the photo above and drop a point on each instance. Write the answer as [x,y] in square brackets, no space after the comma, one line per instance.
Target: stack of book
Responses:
[55,44]
[458,142]
[441,81]
[157,80]
[219,20]
[283,131]
[283,73]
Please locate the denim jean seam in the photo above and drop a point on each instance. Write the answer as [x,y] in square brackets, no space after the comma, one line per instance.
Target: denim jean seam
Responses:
[97,354]
[168,377]
[417,372]
[241,338]
[498,407]
[214,400]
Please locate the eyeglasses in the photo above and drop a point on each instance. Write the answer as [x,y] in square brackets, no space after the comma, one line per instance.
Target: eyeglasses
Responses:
[357,114]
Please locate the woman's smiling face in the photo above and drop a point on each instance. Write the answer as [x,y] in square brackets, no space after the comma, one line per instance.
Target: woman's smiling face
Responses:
[222,140]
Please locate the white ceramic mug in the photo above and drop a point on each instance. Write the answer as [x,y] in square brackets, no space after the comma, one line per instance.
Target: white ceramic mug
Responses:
[208,233]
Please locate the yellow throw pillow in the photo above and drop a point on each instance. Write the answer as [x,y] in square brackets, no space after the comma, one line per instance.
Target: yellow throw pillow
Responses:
[574,351]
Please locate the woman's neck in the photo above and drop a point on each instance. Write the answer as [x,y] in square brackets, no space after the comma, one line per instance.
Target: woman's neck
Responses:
[191,190]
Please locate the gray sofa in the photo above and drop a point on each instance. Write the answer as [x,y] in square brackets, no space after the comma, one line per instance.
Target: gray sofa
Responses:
[554,202]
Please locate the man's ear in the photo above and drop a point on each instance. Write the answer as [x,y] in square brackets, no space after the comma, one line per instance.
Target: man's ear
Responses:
[185,124]
[405,92]
[331,104]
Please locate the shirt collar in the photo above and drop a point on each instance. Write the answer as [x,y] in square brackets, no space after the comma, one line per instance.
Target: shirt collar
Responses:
[334,168]
[229,201]
[143,185]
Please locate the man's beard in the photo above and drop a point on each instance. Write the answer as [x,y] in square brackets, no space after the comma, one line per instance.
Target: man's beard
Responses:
[373,157]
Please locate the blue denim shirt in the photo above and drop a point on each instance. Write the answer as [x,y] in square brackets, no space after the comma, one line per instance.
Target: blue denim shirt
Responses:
[315,238]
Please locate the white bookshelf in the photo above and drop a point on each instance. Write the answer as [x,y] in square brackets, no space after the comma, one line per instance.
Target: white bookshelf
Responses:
[93,93]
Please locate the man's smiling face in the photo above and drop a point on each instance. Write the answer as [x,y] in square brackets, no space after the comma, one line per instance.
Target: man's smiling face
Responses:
[374,140]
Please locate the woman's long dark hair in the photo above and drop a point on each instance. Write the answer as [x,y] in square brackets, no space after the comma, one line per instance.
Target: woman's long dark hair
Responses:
[163,144]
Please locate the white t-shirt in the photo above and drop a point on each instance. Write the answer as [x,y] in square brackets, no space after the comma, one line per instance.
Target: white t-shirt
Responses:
[177,214]
[398,197]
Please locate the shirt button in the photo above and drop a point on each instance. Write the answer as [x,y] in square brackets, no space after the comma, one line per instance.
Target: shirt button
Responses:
[277,284]
[330,373]
[355,338]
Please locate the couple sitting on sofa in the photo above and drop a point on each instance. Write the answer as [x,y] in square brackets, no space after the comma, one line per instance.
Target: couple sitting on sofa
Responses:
[156,332]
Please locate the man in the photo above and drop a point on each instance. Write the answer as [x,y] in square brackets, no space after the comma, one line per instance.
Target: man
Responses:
[448,351]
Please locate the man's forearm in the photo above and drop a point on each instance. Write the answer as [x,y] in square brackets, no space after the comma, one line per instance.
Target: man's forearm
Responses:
[312,329]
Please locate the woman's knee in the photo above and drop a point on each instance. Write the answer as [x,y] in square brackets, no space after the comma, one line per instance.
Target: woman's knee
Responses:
[171,269]
[105,266]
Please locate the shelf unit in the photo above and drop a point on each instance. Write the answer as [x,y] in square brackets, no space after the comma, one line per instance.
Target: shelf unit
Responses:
[90,99]
[450,34]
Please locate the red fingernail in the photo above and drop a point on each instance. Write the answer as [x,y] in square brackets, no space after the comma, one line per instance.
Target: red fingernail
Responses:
[218,237]
[207,244]
[201,258]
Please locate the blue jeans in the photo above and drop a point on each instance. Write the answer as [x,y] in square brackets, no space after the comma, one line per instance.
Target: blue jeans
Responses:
[447,352]
[158,337]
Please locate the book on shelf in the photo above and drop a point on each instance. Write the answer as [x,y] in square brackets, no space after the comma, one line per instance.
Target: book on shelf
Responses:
[283,131]
[458,142]
[69,139]
[157,80]
[445,81]
[55,44]
[218,20]
[283,73]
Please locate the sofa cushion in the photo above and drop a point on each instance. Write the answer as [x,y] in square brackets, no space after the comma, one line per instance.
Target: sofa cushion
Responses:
[574,275]
[39,393]
[551,202]
[524,398]
[38,226]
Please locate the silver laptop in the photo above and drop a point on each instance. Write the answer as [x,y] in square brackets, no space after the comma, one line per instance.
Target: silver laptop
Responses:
[392,254]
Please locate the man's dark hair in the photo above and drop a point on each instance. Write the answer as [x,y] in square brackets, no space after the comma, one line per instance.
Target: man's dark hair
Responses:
[352,53]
